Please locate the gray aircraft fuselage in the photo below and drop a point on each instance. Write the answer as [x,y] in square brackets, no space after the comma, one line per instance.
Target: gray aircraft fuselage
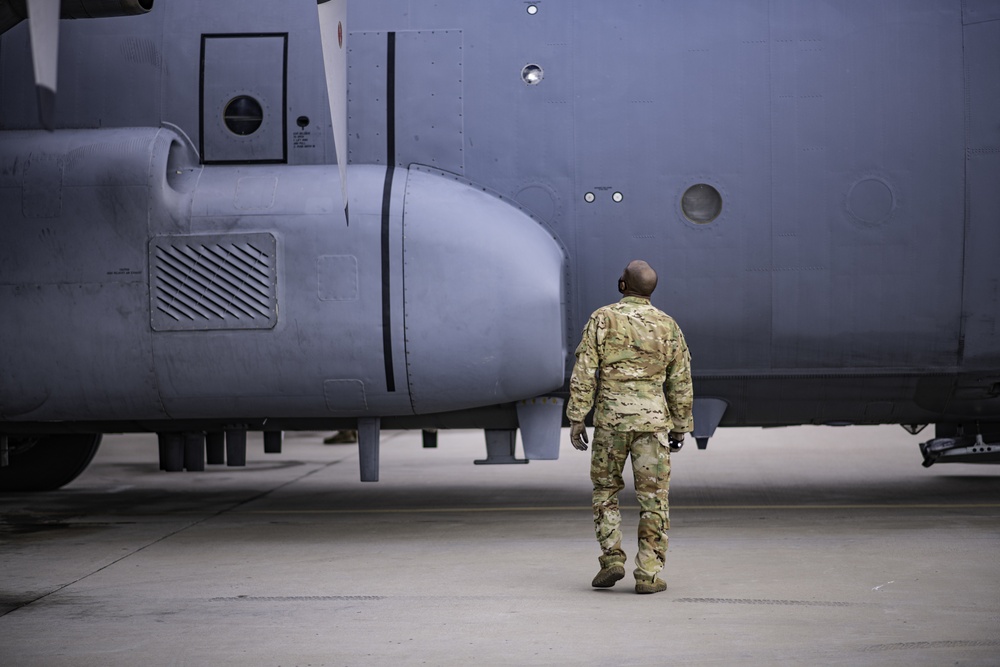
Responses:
[816,183]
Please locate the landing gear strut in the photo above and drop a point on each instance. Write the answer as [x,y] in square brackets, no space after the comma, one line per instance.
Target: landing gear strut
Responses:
[962,443]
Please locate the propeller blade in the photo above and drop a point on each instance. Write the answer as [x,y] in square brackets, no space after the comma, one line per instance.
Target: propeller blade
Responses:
[333,33]
[43,26]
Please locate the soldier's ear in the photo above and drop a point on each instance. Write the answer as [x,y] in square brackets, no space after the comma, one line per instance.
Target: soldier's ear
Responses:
[621,285]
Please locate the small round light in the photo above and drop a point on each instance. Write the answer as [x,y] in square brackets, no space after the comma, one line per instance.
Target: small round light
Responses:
[532,9]
[532,75]
[617,197]
[589,197]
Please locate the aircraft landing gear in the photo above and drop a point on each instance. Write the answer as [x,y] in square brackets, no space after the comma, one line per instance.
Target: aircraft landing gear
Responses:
[44,462]
[962,443]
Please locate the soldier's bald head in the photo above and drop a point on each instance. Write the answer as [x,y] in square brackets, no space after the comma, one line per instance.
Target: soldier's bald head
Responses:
[638,279]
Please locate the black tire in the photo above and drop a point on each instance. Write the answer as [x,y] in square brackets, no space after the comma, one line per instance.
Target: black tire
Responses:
[46,462]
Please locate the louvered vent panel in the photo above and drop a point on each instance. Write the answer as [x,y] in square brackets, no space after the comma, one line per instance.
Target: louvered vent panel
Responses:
[213,282]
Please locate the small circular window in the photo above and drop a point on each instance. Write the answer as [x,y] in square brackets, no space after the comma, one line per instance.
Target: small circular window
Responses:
[871,201]
[701,203]
[243,115]
[532,75]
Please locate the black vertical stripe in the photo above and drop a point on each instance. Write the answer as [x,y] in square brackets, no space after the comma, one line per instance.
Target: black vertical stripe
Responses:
[284,101]
[201,104]
[390,122]
[390,101]
[390,380]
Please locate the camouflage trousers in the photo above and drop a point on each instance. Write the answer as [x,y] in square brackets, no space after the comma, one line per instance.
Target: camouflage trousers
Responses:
[651,469]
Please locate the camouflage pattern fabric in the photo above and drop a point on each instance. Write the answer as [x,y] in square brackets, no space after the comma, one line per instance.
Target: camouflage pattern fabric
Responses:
[644,370]
[634,368]
[650,454]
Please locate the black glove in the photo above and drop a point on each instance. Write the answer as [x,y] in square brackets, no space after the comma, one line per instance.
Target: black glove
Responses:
[578,435]
[676,441]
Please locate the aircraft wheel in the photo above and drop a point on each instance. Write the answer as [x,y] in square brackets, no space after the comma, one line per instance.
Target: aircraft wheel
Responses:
[46,462]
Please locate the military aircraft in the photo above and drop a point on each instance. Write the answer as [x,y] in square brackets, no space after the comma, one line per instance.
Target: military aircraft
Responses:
[232,216]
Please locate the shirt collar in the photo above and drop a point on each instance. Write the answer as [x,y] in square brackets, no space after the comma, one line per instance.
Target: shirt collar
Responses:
[635,299]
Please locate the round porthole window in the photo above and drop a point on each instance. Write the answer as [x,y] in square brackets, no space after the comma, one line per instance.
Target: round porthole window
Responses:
[871,201]
[532,75]
[243,115]
[701,203]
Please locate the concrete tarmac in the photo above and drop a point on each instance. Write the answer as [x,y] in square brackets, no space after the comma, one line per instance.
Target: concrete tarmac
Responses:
[798,546]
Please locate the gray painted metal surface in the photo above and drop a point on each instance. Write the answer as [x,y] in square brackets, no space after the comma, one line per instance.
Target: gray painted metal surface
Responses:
[539,420]
[816,184]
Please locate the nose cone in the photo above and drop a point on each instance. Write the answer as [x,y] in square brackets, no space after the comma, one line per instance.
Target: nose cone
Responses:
[483,298]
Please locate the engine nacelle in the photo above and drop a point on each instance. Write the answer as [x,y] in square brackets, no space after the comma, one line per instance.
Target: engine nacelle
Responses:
[482,281]
[139,286]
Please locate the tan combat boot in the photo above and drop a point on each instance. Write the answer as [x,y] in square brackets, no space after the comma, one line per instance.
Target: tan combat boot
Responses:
[607,577]
[657,585]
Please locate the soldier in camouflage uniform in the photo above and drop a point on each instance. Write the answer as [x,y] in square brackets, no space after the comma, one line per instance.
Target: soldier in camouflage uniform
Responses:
[633,356]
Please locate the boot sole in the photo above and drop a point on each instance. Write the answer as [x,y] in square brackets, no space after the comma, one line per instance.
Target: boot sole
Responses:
[645,589]
[608,580]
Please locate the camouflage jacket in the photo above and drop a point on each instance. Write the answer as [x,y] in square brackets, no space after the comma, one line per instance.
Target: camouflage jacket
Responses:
[634,357]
